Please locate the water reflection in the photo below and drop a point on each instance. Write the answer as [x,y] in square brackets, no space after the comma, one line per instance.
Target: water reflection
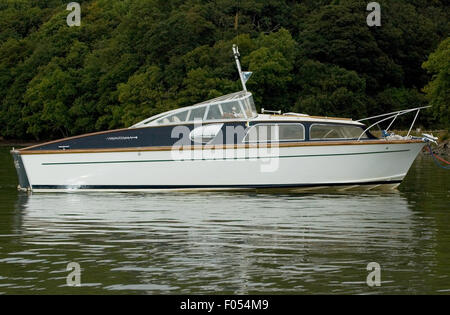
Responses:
[217,243]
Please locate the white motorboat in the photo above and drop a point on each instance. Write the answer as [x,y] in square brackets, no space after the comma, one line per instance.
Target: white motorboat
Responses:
[222,144]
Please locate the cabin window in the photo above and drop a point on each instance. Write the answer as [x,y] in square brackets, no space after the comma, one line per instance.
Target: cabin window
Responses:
[291,132]
[329,131]
[175,118]
[179,117]
[259,133]
[197,113]
[232,110]
[249,107]
[154,120]
[275,133]
[214,112]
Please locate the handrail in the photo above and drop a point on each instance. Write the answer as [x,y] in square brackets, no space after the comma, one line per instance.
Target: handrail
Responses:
[400,111]
[392,122]
[393,115]
[379,121]
[414,121]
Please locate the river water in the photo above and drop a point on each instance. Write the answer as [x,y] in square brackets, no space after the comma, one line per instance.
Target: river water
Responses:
[227,243]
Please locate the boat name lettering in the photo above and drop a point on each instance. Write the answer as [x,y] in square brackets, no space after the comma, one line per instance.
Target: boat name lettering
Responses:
[122,138]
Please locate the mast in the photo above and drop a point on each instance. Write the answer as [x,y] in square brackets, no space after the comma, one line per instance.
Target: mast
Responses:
[238,64]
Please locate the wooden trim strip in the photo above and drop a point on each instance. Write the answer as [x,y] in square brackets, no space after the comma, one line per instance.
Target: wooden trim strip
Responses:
[220,147]
[314,117]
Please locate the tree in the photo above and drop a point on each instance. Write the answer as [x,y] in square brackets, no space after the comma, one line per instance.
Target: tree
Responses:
[338,34]
[131,59]
[395,99]
[49,96]
[272,65]
[438,90]
[329,90]
[142,96]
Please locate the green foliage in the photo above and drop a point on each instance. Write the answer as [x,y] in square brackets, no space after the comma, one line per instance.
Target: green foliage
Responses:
[142,96]
[48,97]
[131,59]
[438,90]
[329,90]
[395,99]
[338,34]
[272,64]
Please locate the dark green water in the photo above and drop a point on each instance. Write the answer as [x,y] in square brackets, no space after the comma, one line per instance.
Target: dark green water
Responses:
[236,243]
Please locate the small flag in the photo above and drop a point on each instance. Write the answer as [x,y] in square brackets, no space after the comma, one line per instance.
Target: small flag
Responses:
[246,75]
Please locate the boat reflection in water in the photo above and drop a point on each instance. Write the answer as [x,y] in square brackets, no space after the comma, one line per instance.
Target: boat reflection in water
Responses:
[223,242]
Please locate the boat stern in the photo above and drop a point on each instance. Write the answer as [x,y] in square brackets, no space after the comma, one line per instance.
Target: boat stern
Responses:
[24,183]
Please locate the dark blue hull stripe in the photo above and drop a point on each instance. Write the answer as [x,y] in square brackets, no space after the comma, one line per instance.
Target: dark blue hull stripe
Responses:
[138,187]
[225,159]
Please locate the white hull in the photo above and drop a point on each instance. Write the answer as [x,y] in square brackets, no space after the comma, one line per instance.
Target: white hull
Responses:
[283,167]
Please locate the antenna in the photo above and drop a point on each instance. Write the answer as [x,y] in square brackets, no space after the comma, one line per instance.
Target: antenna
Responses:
[238,64]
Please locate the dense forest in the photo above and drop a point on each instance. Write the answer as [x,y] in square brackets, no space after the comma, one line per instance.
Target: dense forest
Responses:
[131,59]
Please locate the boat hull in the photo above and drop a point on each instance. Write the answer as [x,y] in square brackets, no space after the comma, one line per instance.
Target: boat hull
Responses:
[217,168]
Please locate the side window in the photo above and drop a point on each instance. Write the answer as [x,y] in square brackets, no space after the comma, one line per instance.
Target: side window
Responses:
[324,132]
[292,132]
[353,132]
[232,110]
[197,113]
[178,117]
[214,112]
[260,133]
[250,108]
[252,135]
[275,132]
[175,118]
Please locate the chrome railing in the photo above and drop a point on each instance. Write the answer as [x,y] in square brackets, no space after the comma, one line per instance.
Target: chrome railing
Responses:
[393,116]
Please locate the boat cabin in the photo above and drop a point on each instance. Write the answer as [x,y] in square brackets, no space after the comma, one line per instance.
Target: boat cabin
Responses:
[238,109]
[229,119]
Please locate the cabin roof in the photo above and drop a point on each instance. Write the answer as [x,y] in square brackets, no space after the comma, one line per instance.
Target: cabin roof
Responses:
[226,98]
[236,106]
